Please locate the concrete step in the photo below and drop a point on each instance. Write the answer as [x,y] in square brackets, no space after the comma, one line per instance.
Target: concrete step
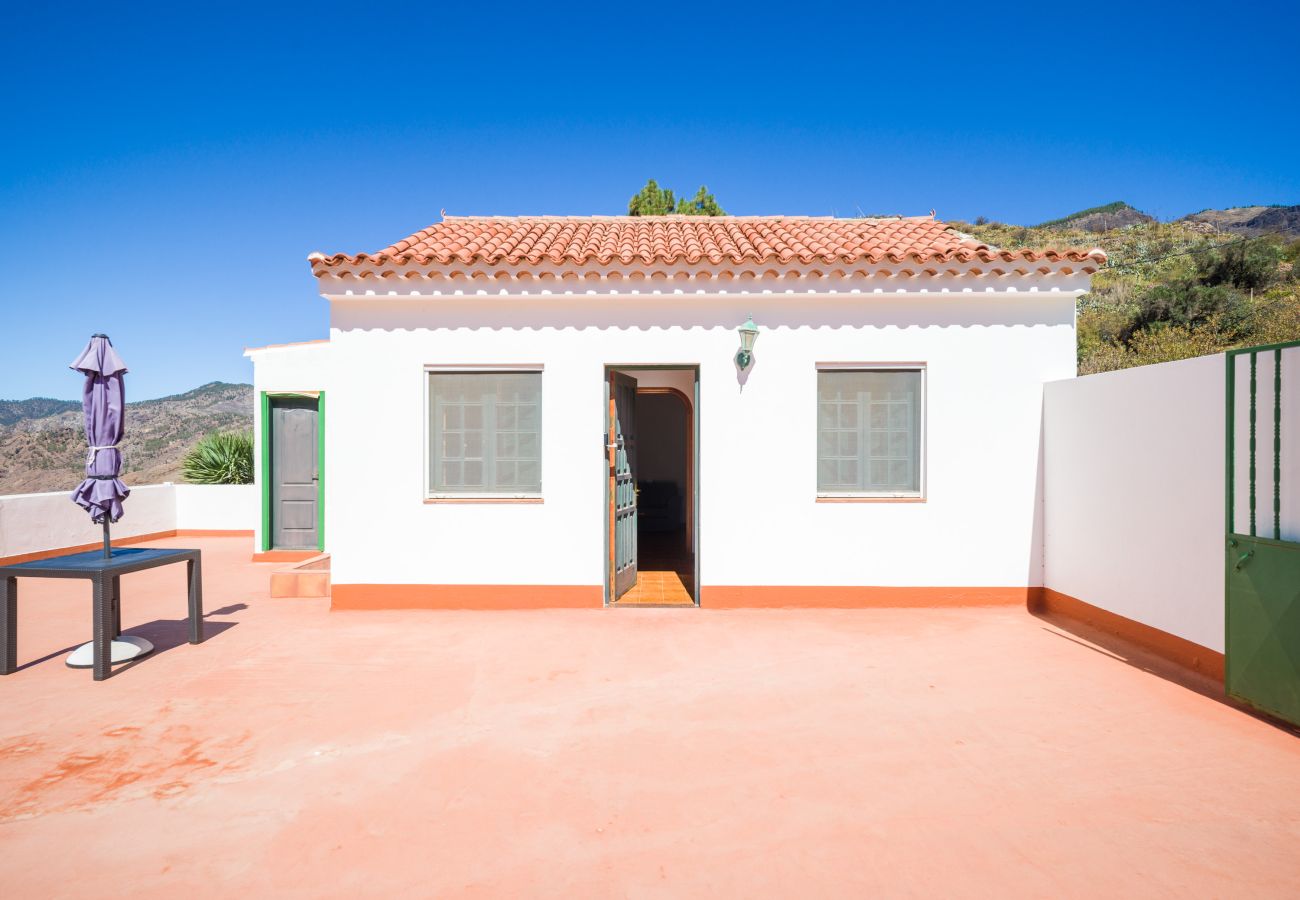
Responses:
[309,578]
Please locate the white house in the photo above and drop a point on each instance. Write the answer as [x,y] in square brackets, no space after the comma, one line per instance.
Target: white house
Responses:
[552,411]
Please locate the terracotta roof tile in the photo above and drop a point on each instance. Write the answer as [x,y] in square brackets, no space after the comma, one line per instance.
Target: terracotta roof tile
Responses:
[629,240]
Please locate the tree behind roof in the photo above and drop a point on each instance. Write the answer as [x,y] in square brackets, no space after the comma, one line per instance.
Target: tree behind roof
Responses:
[653,200]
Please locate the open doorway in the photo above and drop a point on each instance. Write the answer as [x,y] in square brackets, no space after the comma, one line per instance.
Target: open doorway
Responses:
[652,490]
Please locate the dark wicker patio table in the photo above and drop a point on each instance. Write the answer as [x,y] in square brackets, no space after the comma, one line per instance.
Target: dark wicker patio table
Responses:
[106,590]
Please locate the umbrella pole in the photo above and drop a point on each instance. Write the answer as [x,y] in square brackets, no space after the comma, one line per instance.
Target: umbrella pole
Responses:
[107,553]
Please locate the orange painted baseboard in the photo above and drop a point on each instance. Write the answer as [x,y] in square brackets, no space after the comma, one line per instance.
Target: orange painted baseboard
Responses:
[857,597]
[119,542]
[284,555]
[489,596]
[466,596]
[1172,648]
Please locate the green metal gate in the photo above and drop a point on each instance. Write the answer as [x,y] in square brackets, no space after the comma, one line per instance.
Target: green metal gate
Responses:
[1262,555]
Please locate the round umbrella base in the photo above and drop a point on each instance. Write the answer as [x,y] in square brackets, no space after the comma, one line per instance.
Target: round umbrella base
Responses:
[124,648]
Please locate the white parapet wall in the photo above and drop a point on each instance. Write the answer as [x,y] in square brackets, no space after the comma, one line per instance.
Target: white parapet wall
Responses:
[39,523]
[1133,489]
[216,507]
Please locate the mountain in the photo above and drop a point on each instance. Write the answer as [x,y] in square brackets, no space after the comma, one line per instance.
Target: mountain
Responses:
[43,445]
[12,411]
[1250,221]
[1101,218]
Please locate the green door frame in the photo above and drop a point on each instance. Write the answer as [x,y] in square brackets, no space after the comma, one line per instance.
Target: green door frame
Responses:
[265,465]
[695,462]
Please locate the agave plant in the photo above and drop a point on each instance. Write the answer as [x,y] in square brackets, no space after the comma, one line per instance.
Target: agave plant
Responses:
[223,457]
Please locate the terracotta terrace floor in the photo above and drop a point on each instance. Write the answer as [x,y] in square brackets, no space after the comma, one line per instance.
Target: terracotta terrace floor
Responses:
[611,753]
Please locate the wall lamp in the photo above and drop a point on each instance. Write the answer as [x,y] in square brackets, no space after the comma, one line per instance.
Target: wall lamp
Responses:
[748,334]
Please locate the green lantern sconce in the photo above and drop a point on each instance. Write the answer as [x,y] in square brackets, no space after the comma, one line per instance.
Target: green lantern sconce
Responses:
[748,334]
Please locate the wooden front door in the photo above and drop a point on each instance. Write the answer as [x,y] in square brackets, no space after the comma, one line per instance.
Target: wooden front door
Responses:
[295,474]
[621,447]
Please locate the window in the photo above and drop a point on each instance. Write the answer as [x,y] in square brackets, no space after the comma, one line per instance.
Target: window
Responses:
[870,431]
[485,433]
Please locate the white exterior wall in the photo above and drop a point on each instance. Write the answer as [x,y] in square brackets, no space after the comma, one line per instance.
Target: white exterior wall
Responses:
[286,368]
[1134,494]
[216,507]
[35,523]
[987,357]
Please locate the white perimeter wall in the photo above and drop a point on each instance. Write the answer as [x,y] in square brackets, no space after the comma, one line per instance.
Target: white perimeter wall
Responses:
[987,356]
[32,523]
[1134,494]
[216,507]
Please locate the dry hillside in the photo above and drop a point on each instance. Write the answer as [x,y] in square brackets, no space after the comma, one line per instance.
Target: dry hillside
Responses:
[48,452]
[1251,220]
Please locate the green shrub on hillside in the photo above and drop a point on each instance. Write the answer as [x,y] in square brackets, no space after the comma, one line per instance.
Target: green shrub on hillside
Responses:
[1189,304]
[1146,347]
[1248,266]
[224,457]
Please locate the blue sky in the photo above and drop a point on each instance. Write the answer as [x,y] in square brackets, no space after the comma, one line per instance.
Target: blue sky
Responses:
[164,171]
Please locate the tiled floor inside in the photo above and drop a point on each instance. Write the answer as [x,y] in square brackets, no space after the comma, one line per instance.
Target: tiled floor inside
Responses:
[665,571]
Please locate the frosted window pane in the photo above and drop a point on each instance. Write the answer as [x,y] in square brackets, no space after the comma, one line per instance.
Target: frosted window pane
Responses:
[473,473]
[869,431]
[483,428]
[825,470]
[474,444]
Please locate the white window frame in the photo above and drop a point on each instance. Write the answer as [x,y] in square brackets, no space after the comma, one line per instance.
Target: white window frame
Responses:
[923,449]
[455,369]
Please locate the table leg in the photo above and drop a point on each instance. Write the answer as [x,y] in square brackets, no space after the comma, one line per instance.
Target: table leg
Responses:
[116,601]
[195,572]
[8,625]
[103,655]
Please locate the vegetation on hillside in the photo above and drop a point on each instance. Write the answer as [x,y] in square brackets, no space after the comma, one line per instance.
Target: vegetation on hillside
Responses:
[46,451]
[653,200]
[223,457]
[1117,206]
[1172,290]
[12,411]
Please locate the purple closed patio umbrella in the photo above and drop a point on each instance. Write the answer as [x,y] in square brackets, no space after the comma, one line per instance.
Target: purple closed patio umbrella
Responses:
[104,404]
[102,492]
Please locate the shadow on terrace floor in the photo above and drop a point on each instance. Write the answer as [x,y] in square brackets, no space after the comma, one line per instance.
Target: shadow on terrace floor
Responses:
[1117,648]
[164,634]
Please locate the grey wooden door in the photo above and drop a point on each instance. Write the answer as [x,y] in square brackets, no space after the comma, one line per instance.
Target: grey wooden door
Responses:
[295,477]
[622,483]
